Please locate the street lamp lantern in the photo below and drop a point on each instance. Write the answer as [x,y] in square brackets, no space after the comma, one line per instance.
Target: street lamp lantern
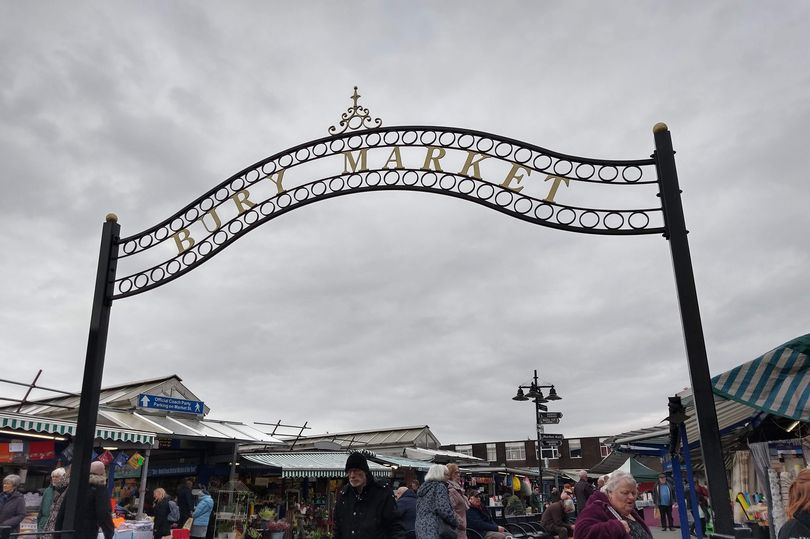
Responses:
[520,396]
[535,394]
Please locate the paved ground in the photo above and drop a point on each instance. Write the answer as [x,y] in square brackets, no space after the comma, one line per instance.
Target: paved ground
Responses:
[658,533]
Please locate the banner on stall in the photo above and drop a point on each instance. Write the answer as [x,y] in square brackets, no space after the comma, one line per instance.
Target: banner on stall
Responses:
[20,451]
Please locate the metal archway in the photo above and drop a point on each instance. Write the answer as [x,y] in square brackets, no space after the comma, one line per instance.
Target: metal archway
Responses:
[430,159]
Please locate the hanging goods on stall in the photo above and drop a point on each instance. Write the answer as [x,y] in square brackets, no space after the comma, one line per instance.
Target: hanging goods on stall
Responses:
[120,460]
[106,458]
[515,484]
[135,461]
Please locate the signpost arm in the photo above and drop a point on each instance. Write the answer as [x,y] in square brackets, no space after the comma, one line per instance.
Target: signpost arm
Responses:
[693,330]
[91,383]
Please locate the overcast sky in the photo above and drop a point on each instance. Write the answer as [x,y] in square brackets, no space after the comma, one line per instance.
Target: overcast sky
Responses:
[391,309]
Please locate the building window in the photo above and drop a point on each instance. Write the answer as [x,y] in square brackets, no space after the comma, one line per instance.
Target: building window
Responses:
[550,452]
[492,453]
[575,448]
[515,451]
[465,449]
[604,449]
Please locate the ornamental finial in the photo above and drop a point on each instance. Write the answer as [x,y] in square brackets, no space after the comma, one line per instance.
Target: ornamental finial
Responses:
[355,117]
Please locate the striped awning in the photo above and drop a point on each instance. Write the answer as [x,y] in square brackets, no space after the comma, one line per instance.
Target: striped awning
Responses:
[777,382]
[311,464]
[26,423]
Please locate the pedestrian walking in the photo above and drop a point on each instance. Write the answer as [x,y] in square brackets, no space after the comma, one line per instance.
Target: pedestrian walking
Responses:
[12,503]
[435,518]
[202,514]
[664,497]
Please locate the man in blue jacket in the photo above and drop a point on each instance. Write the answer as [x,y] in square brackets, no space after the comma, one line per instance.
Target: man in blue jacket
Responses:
[479,519]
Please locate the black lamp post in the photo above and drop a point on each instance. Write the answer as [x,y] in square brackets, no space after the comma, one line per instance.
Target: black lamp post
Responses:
[535,394]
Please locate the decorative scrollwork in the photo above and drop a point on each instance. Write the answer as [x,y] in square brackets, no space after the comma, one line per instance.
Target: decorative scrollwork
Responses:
[537,211]
[355,117]
[203,211]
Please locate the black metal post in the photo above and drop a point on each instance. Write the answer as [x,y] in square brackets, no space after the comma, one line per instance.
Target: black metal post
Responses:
[693,331]
[91,383]
[539,442]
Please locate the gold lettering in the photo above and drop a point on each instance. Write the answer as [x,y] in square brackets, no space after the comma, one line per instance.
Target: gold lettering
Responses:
[429,157]
[513,175]
[395,158]
[242,201]
[279,176]
[471,162]
[556,180]
[180,241]
[213,213]
[349,161]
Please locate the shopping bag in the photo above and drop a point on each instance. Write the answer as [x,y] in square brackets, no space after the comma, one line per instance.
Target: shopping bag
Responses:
[187,525]
[656,513]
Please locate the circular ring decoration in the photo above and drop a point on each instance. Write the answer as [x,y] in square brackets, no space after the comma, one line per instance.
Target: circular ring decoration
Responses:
[478,146]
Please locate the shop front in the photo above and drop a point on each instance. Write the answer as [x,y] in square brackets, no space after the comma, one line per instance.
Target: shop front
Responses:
[299,487]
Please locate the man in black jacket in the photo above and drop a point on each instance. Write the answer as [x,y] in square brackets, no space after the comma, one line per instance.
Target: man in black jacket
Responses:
[364,509]
[479,519]
[185,501]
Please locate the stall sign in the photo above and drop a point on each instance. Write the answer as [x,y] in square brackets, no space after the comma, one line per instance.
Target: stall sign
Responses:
[159,471]
[483,480]
[9,456]
[41,450]
[171,404]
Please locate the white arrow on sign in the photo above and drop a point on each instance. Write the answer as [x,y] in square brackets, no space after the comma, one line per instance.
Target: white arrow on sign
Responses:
[145,401]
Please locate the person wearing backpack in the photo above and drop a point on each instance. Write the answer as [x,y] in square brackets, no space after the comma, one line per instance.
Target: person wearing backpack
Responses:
[162,526]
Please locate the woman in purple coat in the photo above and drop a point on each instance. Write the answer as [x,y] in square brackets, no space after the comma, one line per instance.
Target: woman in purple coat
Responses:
[613,515]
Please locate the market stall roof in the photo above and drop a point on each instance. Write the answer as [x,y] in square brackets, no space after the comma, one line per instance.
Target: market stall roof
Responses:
[616,459]
[395,437]
[777,382]
[311,463]
[180,426]
[548,473]
[402,462]
[731,417]
[118,396]
[438,455]
[639,471]
[58,427]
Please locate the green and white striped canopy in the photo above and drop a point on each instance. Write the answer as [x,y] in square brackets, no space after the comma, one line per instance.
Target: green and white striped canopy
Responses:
[777,382]
[57,427]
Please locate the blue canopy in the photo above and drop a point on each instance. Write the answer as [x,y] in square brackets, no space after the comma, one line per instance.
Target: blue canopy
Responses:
[777,382]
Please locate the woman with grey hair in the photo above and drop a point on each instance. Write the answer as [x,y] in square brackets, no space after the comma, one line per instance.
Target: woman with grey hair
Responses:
[612,514]
[52,500]
[435,517]
[12,503]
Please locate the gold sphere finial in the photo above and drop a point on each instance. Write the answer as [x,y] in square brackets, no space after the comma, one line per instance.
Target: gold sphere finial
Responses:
[659,127]
[111,218]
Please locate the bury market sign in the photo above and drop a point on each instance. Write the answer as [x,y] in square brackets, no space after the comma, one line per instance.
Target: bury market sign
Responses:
[170,404]
[628,197]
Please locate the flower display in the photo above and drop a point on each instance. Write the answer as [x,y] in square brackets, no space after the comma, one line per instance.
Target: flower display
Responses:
[278,525]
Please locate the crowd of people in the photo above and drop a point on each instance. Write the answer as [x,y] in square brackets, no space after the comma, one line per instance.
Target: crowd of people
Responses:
[98,506]
[439,508]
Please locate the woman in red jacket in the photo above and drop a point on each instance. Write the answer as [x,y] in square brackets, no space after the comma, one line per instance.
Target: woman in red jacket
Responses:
[613,515]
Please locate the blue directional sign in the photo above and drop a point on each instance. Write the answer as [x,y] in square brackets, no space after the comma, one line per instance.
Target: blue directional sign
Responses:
[170,404]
